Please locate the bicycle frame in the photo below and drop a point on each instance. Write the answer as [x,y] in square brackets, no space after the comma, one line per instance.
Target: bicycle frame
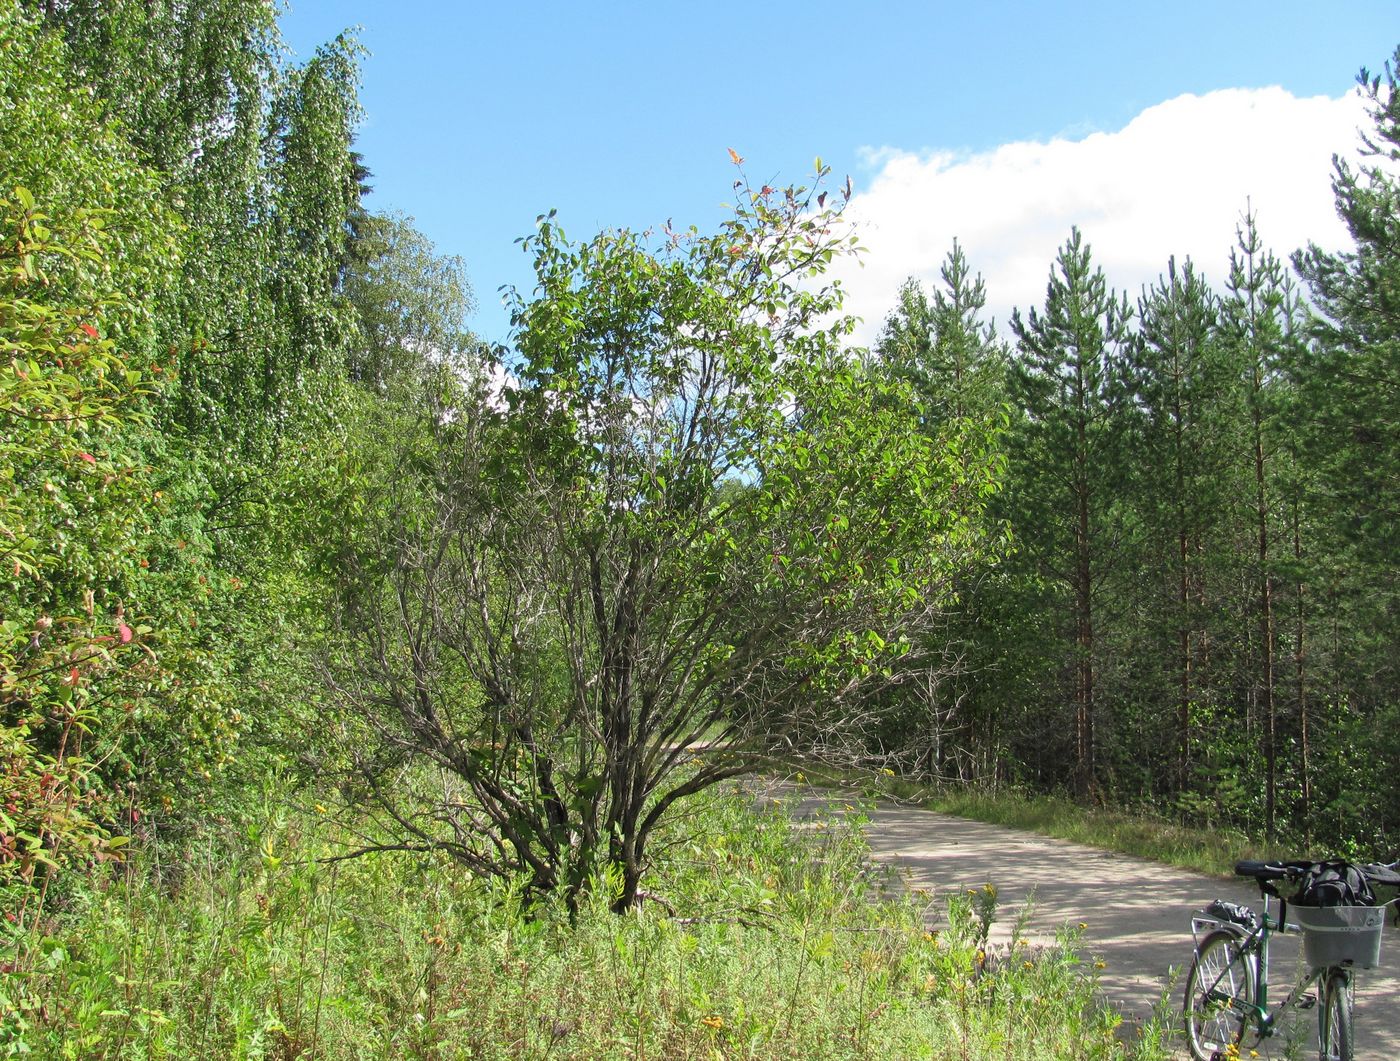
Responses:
[1255,943]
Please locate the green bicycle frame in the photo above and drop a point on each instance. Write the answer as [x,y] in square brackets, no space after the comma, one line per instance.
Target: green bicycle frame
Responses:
[1258,942]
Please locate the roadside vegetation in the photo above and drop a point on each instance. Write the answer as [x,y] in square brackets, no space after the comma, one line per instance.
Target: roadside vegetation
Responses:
[1133,830]
[760,940]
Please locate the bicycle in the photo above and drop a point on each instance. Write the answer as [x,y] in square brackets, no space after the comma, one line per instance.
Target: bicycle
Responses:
[1227,988]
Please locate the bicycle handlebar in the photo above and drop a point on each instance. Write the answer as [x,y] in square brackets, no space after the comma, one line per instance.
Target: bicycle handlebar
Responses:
[1271,870]
[1387,875]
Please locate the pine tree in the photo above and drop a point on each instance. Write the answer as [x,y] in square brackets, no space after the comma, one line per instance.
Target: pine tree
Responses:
[1356,389]
[956,368]
[1349,423]
[1064,381]
[1259,314]
[1182,389]
[943,347]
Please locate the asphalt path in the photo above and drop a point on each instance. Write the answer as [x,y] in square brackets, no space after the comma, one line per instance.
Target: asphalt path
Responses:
[1136,913]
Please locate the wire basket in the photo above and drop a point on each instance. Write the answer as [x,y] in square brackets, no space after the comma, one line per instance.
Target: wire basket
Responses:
[1333,935]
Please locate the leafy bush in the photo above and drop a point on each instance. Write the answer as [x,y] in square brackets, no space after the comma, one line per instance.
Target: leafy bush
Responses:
[111,687]
[75,498]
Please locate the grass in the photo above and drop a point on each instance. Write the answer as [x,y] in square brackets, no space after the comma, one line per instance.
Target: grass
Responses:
[1132,831]
[782,943]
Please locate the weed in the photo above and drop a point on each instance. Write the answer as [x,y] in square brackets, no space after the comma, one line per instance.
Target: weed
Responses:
[764,941]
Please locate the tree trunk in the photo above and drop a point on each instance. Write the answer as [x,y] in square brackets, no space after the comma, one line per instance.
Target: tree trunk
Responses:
[1268,718]
[1084,650]
[1184,662]
[1301,677]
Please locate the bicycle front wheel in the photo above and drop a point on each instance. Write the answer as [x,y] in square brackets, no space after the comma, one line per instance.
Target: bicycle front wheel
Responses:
[1220,992]
[1334,1018]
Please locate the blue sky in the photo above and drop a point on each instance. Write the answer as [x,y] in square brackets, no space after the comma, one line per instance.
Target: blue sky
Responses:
[482,116]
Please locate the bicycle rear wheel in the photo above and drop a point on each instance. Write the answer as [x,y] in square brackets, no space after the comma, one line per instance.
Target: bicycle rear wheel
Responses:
[1220,992]
[1334,1018]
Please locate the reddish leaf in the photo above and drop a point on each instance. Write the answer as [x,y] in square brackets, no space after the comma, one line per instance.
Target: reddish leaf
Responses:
[88,457]
[90,330]
[735,157]
[124,633]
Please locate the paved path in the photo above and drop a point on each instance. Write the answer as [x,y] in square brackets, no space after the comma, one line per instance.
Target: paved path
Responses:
[1137,912]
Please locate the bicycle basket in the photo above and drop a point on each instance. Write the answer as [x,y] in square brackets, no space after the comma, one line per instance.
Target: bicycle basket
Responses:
[1336,934]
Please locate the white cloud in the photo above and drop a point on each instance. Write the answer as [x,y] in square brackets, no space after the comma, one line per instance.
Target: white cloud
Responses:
[1175,180]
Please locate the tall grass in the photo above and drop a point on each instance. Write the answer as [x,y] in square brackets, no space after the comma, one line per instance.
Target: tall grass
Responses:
[1132,831]
[761,940]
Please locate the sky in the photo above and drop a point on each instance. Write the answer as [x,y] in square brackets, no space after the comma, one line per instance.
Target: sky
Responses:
[1149,126]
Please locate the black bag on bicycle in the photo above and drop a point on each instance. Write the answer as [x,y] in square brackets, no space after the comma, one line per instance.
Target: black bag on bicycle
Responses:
[1334,883]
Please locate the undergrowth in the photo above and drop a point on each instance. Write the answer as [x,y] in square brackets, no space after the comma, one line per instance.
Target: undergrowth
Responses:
[760,940]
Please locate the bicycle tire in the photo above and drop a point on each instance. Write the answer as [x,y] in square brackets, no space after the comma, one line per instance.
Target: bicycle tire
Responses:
[1221,989]
[1334,1024]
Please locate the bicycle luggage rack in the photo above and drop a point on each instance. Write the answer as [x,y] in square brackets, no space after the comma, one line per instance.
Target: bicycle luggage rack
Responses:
[1202,924]
[1336,935]
[1219,914]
